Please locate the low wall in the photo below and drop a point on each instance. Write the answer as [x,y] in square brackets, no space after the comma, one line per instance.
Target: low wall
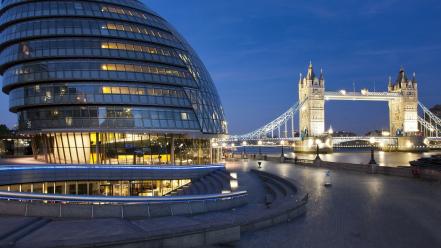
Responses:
[129,210]
[402,171]
[287,208]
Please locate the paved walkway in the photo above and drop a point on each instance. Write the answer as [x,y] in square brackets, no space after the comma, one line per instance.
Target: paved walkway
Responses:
[359,210]
[19,161]
[46,232]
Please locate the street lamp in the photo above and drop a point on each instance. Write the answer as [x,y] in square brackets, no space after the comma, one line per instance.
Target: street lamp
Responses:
[318,142]
[259,143]
[372,141]
[282,143]
[244,144]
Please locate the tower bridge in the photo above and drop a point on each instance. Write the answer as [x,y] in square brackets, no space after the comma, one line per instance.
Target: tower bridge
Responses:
[411,125]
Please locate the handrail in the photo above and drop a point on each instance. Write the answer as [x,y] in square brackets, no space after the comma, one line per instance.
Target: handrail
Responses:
[87,166]
[9,195]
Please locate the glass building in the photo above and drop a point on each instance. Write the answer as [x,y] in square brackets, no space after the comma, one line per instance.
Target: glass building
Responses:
[106,82]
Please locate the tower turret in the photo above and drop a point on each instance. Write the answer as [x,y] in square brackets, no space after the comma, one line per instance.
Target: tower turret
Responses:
[414,81]
[390,86]
[404,110]
[312,94]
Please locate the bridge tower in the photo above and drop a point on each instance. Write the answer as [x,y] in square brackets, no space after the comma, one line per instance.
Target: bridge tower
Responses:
[403,112]
[312,113]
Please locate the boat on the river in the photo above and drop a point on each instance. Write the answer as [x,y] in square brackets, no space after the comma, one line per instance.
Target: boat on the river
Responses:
[433,162]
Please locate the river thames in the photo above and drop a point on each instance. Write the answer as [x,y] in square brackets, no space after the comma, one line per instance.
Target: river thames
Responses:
[345,155]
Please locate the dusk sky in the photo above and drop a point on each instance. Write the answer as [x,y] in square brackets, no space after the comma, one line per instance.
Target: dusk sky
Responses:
[255,50]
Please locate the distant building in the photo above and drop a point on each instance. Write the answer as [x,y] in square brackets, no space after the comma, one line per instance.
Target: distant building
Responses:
[374,133]
[343,134]
[15,145]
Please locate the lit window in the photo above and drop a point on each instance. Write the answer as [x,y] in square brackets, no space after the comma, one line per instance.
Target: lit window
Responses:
[115,90]
[112,45]
[119,67]
[124,90]
[184,116]
[141,91]
[111,26]
[106,90]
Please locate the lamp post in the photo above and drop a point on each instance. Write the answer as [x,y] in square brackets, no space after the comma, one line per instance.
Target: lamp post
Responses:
[282,143]
[244,144]
[372,161]
[259,143]
[318,142]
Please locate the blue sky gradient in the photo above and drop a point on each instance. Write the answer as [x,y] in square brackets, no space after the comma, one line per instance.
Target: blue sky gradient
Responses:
[255,50]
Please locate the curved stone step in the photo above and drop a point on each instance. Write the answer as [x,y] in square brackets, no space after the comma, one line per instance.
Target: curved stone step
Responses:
[279,187]
[217,182]
[274,191]
[225,183]
[209,187]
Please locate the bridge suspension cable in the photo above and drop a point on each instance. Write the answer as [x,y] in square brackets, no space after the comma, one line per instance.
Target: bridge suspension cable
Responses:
[275,125]
[430,123]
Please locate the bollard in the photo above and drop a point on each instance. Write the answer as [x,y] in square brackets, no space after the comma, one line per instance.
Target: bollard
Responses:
[328,179]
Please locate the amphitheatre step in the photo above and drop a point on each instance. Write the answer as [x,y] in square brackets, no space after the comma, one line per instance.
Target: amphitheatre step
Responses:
[11,238]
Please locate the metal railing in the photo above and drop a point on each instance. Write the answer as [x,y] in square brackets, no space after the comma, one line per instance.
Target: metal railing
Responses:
[55,198]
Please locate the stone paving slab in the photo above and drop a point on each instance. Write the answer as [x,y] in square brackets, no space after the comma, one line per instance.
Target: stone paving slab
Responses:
[11,223]
[77,232]
[168,225]
[358,210]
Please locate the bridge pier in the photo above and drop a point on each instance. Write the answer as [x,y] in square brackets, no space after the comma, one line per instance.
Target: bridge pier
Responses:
[411,144]
[309,145]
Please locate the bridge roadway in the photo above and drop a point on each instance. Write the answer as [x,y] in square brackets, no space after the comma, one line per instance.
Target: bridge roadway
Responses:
[359,210]
[361,96]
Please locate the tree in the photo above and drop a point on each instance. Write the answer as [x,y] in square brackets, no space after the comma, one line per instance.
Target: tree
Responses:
[4,130]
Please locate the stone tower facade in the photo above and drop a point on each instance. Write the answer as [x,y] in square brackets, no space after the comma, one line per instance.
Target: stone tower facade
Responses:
[312,113]
[403,112]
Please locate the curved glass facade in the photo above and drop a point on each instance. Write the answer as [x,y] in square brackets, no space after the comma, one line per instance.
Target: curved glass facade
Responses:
[105,69]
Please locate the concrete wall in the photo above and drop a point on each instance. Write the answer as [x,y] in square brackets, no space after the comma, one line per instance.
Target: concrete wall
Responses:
[150,210]
[424,173]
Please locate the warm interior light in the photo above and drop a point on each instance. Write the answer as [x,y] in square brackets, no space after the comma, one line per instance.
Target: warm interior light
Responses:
[385,133]
[233,175]
[364,91]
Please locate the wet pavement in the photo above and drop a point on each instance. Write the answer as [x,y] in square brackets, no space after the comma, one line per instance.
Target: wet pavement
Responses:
[358,210]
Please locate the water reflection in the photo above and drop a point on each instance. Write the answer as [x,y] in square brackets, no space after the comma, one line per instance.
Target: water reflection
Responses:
[350,156]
